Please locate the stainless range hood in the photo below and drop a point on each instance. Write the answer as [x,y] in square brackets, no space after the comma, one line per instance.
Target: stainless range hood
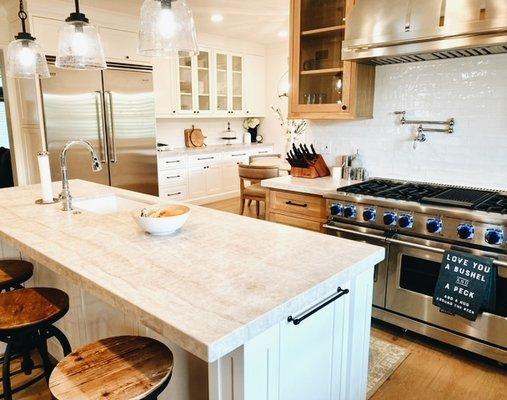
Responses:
[400,31]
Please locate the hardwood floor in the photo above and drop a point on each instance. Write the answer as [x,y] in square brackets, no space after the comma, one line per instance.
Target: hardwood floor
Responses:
[432,371]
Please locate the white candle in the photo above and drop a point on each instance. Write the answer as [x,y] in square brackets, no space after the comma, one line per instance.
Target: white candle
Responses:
[45,177]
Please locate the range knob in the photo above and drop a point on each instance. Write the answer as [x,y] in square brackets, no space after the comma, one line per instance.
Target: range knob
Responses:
[370,214]
[466,231]
[406,221]
[494,236]
[336,209]
[434,225]
[350,212]
[390,218]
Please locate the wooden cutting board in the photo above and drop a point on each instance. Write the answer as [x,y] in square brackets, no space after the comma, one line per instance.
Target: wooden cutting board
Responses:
[194,138]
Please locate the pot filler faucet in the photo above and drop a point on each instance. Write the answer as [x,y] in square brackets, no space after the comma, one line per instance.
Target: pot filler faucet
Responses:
[65,196]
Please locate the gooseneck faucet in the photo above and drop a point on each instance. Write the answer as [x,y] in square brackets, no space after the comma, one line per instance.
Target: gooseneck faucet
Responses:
[65,195]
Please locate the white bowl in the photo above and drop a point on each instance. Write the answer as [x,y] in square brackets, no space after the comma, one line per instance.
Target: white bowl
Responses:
[164,225]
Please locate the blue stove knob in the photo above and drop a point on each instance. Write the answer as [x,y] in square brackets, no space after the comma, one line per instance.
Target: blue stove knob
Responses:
[390,218]
[494,236]
[350,212]
[434,225]
[466,231]
[406,221]
[370,214]
[336,209]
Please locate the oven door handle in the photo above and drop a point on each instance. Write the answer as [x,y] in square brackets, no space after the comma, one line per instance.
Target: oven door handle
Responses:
[368,235]
[434,249]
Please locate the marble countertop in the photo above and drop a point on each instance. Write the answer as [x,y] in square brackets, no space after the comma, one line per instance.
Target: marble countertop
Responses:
[219,282]
[216,148]
[317,186]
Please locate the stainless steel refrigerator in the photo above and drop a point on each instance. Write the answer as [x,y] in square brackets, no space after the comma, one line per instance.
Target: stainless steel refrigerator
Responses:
[114,110]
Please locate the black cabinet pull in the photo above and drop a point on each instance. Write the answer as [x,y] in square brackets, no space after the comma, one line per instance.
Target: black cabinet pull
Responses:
[172,162]
[206,158]
[173,177]
[173,194]
[339,293]
[290,203]
[239,155]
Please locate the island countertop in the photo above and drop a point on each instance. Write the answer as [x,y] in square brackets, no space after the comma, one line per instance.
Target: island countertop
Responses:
[219,282]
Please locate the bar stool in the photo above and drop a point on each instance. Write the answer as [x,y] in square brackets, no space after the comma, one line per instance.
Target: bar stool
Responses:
[26,323]
[13,273]
[118,368]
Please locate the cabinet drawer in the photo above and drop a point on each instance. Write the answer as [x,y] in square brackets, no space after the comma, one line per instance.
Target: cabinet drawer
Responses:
[203,159]
[298,204]
[174,193]
[176,162]
[294,221]
[173,177]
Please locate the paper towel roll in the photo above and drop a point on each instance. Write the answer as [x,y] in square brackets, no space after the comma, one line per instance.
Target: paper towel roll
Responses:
[45,177]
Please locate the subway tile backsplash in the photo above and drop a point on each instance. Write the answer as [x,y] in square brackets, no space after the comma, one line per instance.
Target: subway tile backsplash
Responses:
[472,90]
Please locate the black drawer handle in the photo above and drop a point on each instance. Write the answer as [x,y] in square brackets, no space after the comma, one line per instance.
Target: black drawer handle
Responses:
[339,293]
[239,155]
[206,158]
[172,162]
[173,194]
[173,177]
[291,203]
[263,152]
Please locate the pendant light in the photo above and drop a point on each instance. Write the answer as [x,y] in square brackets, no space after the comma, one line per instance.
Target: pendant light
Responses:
[25,58]
[79,45]
[167,29]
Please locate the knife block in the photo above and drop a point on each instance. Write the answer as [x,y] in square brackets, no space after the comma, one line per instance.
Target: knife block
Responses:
[318,170]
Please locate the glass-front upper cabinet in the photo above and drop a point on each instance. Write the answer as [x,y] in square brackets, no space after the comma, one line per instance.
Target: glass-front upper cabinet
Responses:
[323,85]
[195,83]
[229,83]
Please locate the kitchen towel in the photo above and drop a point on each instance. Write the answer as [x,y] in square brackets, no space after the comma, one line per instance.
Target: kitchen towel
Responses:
[466,285]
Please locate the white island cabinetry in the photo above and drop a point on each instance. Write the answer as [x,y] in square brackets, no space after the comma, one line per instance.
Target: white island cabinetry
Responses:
[223,308]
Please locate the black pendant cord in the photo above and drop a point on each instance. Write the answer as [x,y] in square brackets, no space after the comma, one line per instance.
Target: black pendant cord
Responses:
[77,6]
[22,15]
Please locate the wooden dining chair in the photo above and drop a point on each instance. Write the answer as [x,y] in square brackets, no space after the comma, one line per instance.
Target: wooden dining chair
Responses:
[265,159]
[255,192]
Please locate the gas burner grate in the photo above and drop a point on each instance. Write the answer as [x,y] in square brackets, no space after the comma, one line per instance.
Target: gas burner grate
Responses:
[370,188]
[496,204]
[458,197]
[413,192]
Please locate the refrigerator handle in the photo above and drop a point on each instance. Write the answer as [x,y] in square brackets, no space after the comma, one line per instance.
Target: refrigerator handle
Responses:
[100,126]
[110,125]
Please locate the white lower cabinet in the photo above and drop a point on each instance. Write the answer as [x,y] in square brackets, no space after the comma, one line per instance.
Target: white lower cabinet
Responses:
[203,177]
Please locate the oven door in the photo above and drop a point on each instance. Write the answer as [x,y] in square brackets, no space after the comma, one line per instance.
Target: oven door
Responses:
[414,266]
[371,236]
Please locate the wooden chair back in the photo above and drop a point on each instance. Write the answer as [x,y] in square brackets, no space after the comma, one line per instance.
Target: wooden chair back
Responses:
[257,173]
[265,157]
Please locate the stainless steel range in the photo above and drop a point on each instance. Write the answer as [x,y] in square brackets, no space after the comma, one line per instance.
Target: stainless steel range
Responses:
[417,223]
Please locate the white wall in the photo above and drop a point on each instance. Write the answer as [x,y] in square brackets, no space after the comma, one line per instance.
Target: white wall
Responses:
[171,131]
[277,64]
[472,90]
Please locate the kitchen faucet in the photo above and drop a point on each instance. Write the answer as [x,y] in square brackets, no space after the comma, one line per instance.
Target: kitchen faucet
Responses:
[65,195]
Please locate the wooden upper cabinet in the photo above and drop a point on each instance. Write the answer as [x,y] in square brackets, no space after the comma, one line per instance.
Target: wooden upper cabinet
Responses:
[323,86]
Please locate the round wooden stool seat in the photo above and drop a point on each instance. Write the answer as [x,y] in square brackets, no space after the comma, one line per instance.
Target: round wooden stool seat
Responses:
[124,367]
[14,273]
[31,308]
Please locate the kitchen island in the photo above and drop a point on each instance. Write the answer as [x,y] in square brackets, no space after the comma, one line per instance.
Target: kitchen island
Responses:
[218,293]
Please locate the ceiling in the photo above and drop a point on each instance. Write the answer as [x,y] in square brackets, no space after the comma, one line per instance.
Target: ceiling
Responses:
[258,20]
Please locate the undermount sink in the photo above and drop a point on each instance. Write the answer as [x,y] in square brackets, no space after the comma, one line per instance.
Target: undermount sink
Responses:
[109,204]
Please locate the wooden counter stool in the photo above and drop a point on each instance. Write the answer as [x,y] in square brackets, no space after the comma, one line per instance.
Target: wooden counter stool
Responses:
[26,323]
[13,273]
[118,368]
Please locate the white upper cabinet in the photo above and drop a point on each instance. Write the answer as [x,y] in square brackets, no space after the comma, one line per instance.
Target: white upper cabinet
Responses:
[255,89]
[194,84]
[213,84]
[121,46]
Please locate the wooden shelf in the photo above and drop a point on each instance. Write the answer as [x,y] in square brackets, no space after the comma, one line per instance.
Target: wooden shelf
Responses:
[323,31]
[326,71]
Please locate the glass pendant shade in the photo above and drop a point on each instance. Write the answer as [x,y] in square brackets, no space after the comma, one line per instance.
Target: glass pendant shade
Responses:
[167,29]
[79,47]
[26,60]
